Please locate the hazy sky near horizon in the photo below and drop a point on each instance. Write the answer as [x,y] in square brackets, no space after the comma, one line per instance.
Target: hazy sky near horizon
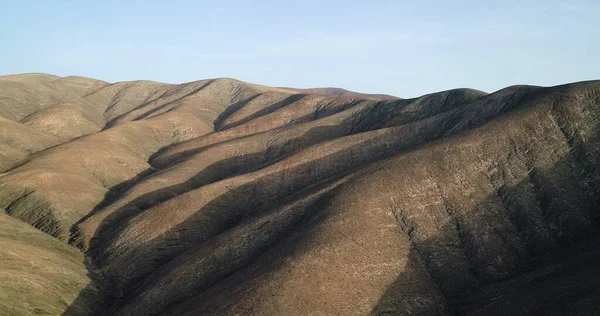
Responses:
[404,48]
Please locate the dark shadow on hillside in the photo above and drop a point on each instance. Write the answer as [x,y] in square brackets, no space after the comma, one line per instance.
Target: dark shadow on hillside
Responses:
[112,195]
[328,109]
[566,283]
[323,110]
[552,273]
[93,299]
[231,110]
[267,110]
[112,122]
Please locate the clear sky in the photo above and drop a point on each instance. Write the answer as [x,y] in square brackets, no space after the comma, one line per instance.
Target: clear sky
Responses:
[405,48]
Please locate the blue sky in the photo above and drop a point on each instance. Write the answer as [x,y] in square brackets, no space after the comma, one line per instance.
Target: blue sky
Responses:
[405,48]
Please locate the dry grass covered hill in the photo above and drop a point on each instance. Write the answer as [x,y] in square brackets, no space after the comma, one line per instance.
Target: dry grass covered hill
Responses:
[220,197]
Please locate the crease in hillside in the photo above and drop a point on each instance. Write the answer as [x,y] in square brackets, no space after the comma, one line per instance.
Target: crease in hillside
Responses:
[32,209]
[230,110]
[139,107]
[265,111]
[161,107]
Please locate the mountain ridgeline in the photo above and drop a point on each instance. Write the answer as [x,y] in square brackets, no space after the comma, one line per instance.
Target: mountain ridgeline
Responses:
[220,197]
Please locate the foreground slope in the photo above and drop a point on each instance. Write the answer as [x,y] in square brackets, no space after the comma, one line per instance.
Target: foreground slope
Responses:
[220,197]
[41,275]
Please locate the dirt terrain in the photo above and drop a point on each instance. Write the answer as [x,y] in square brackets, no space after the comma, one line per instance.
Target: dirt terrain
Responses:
[221,197]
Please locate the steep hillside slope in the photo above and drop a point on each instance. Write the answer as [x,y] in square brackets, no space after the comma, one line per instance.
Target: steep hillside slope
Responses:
[219,197]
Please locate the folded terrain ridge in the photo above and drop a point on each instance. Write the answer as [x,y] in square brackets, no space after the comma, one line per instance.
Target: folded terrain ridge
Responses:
[221,197]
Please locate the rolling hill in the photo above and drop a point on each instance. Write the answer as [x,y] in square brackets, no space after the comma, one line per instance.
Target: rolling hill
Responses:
[221,197]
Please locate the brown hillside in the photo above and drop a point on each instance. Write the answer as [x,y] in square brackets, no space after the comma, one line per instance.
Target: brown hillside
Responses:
[220,197]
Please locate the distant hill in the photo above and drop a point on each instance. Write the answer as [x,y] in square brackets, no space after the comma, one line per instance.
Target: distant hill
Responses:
[221,197]
[344,92]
